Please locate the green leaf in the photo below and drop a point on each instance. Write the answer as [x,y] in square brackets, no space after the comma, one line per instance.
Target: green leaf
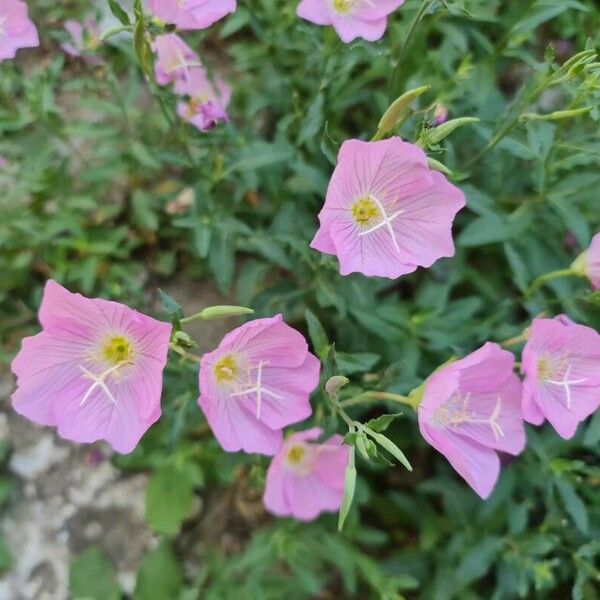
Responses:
[388,445]
[5,558]
[382,422]
[317,334]
[172,307]
[169,497]
[159,576]
[260,155]
[118,12]
[91,577]
[7,486]
[573,504]
[349,488]
[357,362]
[477,561]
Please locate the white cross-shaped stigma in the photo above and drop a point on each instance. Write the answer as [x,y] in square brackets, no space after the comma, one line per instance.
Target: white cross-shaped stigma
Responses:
[385,222]
[99,382]
[566,383]
[259,390]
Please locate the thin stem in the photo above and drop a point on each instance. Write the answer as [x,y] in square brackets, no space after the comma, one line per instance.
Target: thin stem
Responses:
[115,31]
[543,279]
[513,341]
[405,44]
[188,355]
[376,396]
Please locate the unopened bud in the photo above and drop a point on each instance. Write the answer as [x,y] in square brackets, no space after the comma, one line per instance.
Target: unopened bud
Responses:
[335,384]
[397,111]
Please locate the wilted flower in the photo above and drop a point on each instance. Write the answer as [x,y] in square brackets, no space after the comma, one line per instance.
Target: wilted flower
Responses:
[305,478]
[16,28]
[350,18]
[191,14]
[94,372]
[175,59]
[208,101]
[588,263]
[470,410]
[386,213]
[84,37]
[561,364]
[255,383]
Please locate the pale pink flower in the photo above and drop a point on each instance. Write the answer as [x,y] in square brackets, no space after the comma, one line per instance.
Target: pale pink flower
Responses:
[174,59]
[16,28]
[255,383]
[386,213]
[85,37]
[305,478]
[561,364]
[366,19]
[94,372]
[588,263]
[208,101]
[471,409]
[191,14]
[440,115]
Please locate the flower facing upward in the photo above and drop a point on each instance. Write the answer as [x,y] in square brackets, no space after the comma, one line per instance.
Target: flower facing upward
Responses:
[94,372]
[16,28]
[366,19]
[255,383]
[385,212]
[191,14]
[175,59]
[588,264]
[208,101]
[471,409]
[305,478]
[561,364]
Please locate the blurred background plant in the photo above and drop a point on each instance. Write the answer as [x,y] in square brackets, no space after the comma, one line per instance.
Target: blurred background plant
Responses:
[105,190]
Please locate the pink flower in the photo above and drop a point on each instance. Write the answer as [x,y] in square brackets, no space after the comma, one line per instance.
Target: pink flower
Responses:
[16,28]
[306,479]
[208,101]
[255,383]
[588,263]
[84,37]
[191,14]
[386,213]
[94,372]
[561,364]
[440,115]
[470,410]
[174,59]
[350,18]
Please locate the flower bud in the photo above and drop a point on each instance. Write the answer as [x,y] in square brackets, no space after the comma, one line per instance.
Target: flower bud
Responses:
[335,384]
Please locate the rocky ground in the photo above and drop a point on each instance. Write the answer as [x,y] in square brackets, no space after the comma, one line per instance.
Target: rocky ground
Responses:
[70,497]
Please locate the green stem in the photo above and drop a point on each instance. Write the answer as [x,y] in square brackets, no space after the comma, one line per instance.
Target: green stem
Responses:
[178,350]
[376,396]
[115,31]
[405,44]
[543,279]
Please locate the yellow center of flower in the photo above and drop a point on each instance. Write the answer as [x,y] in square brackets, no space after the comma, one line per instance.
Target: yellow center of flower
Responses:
[226,369]
[116,350]
[544,368]
[342,6]
[364,210]
[296,455]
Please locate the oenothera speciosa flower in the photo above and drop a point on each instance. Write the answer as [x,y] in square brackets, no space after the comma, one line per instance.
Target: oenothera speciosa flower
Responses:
[208,100]
[191,14]
[561,364]
[350,18]
[174,59]
[85,37]
[255,383]
[386,213]
[588,264]
[470,410]
[94,372]
[306,478]
[16,28]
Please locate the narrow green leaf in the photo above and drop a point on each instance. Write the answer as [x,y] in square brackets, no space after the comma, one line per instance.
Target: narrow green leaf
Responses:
[317,334]
[382,422]
[573,504]
[349,488]
[388,445]
[118,12]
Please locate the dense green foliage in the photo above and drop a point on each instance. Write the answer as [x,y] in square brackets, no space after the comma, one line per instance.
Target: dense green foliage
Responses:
[95,158]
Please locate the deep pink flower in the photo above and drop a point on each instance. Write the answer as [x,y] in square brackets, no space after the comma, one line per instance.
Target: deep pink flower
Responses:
[306,479]
[255,383]
[84,37]
[561,364]
[208,101]
[94,372]
[16,28]
[588,263]
[350,18]
[386,213]
[191,14]
[174,59]
[471,409]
